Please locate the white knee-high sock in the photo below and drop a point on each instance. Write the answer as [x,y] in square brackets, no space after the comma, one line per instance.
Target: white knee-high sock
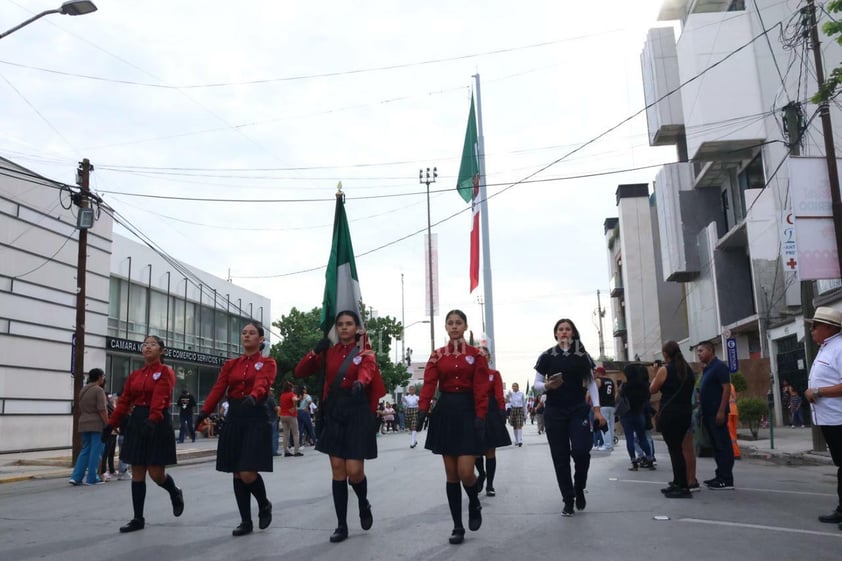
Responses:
[412,437]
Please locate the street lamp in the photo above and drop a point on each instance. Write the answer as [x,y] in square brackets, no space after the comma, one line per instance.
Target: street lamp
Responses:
[69,8]
[430,178]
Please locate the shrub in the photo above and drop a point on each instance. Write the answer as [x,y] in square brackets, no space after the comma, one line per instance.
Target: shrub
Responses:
[738,379]
[752,411]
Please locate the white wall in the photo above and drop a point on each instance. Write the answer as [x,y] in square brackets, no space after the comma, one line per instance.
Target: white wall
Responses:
[640,286]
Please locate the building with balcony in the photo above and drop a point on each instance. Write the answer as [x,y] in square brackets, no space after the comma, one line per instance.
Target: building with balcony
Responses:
[732,99]
[131,291]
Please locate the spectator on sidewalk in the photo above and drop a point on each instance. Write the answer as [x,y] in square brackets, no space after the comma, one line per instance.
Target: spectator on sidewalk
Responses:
[274,410]
[306,433]
[825,393]
[733,422]
[289,419]
[715,391]
[106,466]
[186,407]
[93,416]
[796,415]
[607,393]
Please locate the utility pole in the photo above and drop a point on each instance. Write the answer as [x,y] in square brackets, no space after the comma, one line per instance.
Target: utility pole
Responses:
[836,203]
[600,312]
[83,202]
[427,180]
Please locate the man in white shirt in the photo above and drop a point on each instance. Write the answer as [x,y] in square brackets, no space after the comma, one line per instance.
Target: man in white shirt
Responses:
[825,392]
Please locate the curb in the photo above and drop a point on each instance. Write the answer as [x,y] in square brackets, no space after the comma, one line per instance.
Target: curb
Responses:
[806,458]
[185,458]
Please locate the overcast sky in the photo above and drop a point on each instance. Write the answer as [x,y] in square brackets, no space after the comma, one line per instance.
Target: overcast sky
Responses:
[282,100]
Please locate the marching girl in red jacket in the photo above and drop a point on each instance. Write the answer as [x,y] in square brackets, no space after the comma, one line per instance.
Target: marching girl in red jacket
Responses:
[149,442]
[496,434]
[348,411]
[245,443]
[457,425]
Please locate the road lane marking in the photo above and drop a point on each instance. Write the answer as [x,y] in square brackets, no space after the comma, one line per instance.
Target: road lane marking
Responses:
[836,534]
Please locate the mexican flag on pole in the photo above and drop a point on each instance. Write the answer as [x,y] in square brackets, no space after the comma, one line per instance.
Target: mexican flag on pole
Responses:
[342,286]
[468,187]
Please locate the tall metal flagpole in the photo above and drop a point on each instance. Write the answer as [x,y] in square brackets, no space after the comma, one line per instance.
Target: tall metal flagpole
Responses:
[484,238]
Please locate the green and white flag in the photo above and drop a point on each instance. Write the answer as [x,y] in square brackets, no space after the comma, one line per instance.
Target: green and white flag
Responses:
[342,286]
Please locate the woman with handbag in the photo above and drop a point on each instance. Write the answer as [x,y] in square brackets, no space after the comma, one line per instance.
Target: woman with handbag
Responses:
[352,387]
[565,373]
[676,382]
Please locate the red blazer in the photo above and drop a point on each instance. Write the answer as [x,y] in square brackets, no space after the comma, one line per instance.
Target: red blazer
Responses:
[457,368]
[495,388]
[363,368]
[240,377]
[150,386]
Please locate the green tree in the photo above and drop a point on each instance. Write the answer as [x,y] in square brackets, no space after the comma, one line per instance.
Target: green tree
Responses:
[833,29]
[382,332]
[299,333]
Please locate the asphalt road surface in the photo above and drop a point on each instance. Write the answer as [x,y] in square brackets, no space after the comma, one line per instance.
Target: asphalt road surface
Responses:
[770,516]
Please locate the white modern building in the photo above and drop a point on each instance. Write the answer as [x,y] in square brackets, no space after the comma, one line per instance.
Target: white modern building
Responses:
[646,310]
[131,291]
[733,100]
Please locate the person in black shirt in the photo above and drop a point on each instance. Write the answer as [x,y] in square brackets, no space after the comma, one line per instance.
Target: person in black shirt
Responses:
[636,391]
[565,373]
[186,406]
[676,382]
[607,393]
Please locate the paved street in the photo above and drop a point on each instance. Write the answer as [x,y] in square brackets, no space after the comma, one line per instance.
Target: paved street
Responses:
[771,515]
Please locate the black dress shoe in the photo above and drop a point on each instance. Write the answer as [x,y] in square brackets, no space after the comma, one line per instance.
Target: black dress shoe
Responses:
[489,491]
[834,517]
[243,529]
[581,503]
[474,517]
[678,493]
[134,525]
[458,536]
[177,499]
[287,455]
[264,516]
[366,517]
[339,534]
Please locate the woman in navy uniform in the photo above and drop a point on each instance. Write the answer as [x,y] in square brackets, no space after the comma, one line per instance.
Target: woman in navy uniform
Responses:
[565,373]
[245,442]
[457,425]
[348,436]
[496,435]
[143,415]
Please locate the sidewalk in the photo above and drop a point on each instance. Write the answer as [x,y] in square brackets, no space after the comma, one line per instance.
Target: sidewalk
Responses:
[48,464]
[791,447]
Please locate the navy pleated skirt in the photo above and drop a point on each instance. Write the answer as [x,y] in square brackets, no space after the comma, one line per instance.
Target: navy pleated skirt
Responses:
[496,433]
[349,432]
[245,443]
[142,448]
[451,431]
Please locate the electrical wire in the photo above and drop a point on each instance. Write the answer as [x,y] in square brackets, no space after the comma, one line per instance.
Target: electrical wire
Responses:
[48,260]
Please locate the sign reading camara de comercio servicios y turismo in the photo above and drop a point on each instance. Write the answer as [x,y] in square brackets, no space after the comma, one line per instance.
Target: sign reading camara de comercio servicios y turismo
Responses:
[134,347]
